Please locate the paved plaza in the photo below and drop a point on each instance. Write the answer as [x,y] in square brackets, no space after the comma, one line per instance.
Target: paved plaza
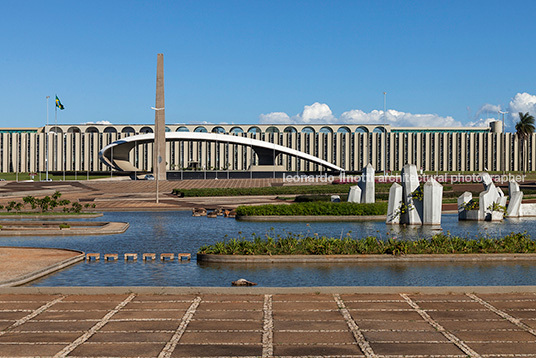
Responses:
[268,325]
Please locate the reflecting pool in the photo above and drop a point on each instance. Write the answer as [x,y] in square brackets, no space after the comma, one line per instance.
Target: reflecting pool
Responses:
[178,231]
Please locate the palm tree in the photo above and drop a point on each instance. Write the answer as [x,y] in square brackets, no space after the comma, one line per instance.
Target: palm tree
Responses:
[524,130]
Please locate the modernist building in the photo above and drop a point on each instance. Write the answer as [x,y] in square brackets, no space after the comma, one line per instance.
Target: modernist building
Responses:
[350,147]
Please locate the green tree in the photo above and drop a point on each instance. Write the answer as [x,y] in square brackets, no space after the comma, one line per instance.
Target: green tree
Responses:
[524,130]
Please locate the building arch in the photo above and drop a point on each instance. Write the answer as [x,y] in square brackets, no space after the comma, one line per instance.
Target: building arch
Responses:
[344,130]
[236,130]
[55,130]
[218,130]
[361,129]
[290,129]
[110,130]
[146,130]
[254,130]
[326,130]
[92,130]
[182,129]
[308,129]
[200,129]
[378,130]
[128,130]
[74,130]
[272,129]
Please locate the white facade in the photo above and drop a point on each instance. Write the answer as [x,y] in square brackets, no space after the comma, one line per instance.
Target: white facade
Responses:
[76,147]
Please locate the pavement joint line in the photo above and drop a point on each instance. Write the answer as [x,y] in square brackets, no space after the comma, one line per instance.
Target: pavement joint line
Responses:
[424,356]
[268,327]
[32,315]
[143,319]
[172,343]
[503,314]
[509,355]
[354,328]
[369,301]
[309,356]
[312,330]
[254,310]
[415,342]
[224,320]
[319,344]
[68,349]
[224,330]
[450,336]
[380,310]
[121,342]
[485,342]
[33,343]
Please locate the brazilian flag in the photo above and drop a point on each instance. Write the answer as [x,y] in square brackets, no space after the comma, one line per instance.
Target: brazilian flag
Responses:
[58,103]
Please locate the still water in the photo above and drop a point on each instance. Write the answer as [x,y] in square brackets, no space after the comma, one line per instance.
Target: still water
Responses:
[178,231]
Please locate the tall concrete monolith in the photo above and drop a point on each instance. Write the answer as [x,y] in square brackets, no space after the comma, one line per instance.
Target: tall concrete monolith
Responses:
[514,206]
[432,202]
[462,201]
[486,199]
[516,197]
[354,194]
[395,202]
[486,180]
[513,186]
[367,184]
[410,183]
[159,148]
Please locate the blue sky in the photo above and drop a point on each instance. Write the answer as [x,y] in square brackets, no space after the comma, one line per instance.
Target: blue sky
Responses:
[440,62]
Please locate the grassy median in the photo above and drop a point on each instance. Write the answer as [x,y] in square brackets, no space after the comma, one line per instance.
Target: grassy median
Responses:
[292,244]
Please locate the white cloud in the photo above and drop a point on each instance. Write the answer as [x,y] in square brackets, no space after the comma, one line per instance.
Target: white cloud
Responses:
[481,122]
[522,102]
[99,122]
[487,109]
[274,118]
[317,112]
[320,113]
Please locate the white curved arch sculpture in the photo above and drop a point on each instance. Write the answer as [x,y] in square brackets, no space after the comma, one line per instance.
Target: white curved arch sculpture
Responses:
[266,151]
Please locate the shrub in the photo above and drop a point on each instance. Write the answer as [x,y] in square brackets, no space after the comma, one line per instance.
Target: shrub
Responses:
[64,226]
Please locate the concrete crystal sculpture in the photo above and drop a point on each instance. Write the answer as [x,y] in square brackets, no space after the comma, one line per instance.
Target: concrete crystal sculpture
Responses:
[367,185]
[410,183]
[354,195]
[490,203]
[409,204]
[432,203]
[395,202]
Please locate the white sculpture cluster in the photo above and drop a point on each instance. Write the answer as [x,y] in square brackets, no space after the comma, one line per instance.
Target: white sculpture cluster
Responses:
[492,203]
[409,204]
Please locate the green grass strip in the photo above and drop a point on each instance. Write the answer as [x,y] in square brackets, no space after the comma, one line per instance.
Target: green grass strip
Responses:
[293,244]
[315,208]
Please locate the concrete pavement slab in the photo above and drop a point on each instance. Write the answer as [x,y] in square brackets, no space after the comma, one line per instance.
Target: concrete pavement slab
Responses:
[297,327]
[29,350]
[117,350]
[219,350]
[316,350]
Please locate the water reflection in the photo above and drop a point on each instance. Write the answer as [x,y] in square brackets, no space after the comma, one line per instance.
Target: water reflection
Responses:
[179,232]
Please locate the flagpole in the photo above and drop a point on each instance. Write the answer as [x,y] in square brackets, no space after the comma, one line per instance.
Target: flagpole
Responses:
[46,143]
[55,144]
